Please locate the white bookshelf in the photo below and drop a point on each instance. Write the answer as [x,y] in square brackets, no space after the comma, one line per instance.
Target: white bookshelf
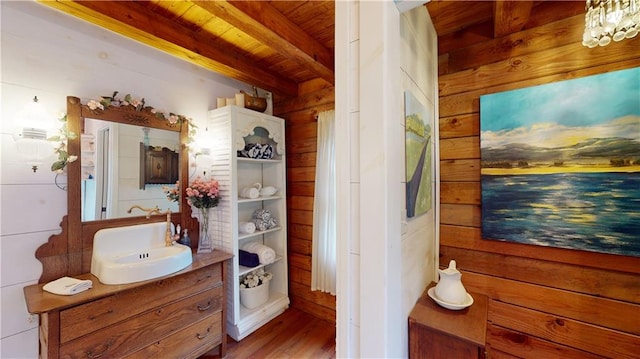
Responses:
[232,128]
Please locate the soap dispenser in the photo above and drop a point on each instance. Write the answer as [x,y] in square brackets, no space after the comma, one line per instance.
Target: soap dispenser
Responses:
[185,238]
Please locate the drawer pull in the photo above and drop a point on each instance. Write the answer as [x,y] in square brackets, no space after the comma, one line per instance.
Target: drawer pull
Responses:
[92,317]
[200,336]
[107,345]
[202,309]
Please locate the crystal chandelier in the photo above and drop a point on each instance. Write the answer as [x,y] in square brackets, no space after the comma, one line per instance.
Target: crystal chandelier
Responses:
[610,19]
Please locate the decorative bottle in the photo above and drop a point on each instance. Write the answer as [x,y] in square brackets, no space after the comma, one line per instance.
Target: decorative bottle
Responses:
[185,238]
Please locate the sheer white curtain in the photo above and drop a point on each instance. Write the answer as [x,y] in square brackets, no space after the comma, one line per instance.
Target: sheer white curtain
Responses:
[323,263]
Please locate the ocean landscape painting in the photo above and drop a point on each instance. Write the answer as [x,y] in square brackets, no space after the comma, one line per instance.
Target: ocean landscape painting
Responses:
[418,152]
[560,164]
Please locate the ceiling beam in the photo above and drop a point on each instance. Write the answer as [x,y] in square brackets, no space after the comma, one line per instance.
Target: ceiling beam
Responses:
[266,24]
[452,16]
[131,20]
[510,16]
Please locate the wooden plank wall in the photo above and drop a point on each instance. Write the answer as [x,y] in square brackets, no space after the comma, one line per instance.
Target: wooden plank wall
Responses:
[301,130]
[545,302]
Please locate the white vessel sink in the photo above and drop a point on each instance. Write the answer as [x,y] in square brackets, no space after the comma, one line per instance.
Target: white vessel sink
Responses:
[135,253]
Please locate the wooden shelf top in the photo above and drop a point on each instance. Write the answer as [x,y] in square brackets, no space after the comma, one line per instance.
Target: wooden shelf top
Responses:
[468,324]
[40,301]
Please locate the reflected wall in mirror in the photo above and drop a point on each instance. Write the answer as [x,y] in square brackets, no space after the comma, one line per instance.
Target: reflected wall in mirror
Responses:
[113,172]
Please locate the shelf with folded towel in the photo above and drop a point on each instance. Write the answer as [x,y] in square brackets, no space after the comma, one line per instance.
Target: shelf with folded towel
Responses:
[242,236]
[247,200]
[242,270]
[246,217]
[254,160]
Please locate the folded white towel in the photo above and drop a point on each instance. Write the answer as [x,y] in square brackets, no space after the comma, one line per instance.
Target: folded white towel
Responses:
[68,286]
[266,254]
[247,227]
[250,192]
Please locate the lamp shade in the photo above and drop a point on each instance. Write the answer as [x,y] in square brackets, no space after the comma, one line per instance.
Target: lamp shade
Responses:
[31,133]
[34,151]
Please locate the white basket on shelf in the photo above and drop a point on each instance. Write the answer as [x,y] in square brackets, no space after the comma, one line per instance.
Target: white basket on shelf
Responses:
[254,297]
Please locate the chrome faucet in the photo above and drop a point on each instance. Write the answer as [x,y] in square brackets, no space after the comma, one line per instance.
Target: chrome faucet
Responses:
[148,211]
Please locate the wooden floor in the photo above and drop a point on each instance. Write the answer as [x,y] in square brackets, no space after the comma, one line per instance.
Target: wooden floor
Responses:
[292,334]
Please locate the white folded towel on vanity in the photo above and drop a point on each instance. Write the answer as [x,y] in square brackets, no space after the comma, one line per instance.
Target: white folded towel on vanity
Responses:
[266,254]
[68,286]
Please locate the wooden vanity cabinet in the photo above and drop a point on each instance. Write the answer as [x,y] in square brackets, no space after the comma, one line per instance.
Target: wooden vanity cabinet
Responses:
[436,332]
[177,316]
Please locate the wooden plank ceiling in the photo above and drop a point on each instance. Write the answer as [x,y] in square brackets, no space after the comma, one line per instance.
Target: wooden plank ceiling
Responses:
[461,24]
[274,45]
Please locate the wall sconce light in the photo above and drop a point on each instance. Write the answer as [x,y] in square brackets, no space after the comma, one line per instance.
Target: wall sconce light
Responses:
[608,20]
[201,143]
[199,146]
[31,135]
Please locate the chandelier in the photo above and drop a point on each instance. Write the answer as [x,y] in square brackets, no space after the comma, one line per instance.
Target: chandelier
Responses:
[610,19]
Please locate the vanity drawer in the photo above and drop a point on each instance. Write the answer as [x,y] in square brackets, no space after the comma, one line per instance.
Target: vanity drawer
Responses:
[189,342]
[144,329]
[86,318]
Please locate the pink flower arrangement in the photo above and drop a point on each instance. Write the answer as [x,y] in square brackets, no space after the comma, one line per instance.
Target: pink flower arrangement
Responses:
[203,193]
[173,193]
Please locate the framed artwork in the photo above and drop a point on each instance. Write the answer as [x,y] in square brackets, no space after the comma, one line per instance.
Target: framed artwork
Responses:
[560,164]
[418,156]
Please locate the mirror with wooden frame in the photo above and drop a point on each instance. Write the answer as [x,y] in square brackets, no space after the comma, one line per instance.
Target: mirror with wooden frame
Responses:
[125,165]
[69,253]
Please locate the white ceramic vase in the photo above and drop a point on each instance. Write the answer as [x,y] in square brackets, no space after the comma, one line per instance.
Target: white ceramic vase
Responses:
[449,288]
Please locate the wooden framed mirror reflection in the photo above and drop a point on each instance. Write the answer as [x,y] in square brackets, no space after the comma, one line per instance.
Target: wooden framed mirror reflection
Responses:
[69,253]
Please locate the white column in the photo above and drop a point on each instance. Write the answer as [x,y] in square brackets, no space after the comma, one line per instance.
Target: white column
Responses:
[381,167]
[347,325]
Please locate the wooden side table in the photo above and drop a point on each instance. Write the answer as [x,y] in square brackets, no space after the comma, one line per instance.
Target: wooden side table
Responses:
[437,332]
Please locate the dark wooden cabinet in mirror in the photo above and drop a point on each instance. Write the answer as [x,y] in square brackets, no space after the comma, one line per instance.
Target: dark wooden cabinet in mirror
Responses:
[69,253]
[117,175]
[158,165]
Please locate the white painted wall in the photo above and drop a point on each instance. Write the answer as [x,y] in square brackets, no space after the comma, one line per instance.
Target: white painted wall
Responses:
[420,242]
[380,53]
[53,55]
